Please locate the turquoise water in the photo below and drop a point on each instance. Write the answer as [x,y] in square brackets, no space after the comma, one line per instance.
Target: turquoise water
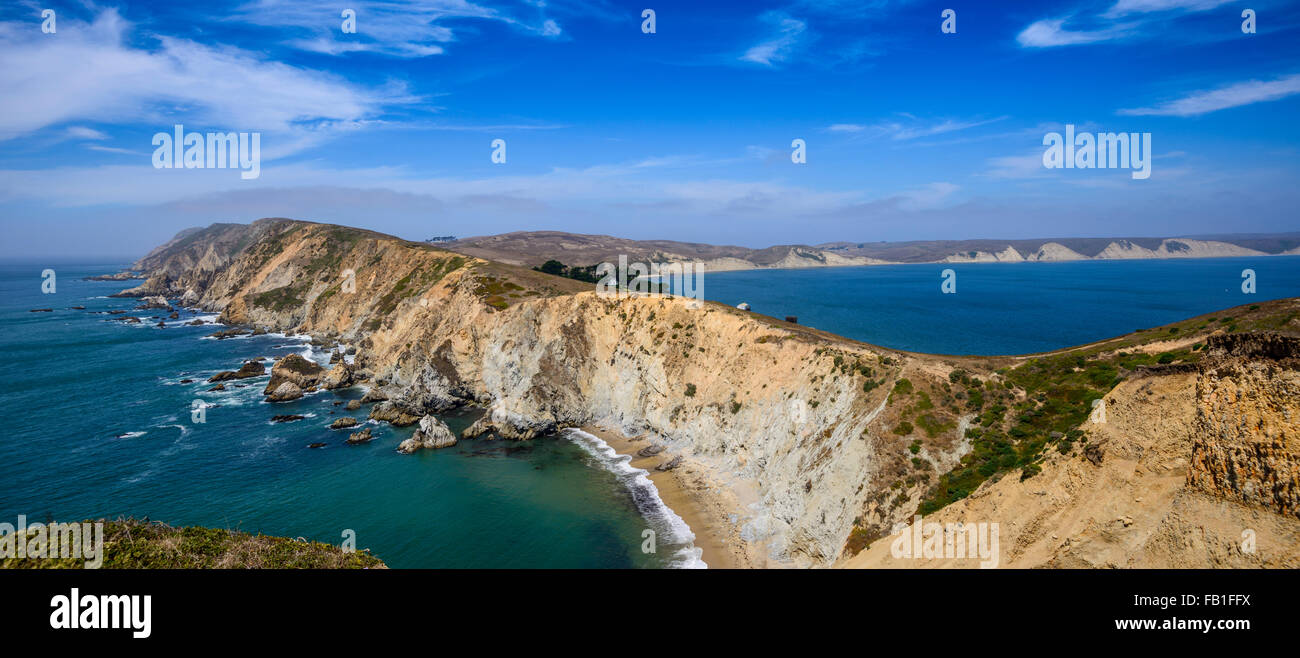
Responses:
[1003,308]
[75,382]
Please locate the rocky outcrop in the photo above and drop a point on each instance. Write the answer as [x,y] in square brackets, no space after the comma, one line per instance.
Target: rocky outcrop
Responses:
[285,392]
[396,413]
[1246,446]
[340,376]
[344,422]
[296,370]
[364,436]
[154,302]
[433,433]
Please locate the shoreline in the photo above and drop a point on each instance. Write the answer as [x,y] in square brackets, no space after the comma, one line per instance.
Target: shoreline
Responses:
[691,493]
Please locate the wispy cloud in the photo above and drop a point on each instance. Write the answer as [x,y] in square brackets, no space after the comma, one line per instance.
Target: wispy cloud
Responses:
[912,128]
[1235,95]
[1050,33]
[1124,19]
[90,73]
[1124,7]
[397,28]
[82,132]
[787,34]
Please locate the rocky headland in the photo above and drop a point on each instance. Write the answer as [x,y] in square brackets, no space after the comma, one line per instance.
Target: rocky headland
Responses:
[818,445]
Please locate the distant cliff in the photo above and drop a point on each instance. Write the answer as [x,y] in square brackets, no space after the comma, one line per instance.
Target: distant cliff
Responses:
[533,248]
[825,442]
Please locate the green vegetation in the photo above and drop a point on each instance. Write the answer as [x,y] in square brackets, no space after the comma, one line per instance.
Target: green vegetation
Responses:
[284,298]
[690,390]
[1012,433]
[142,544]
[576,272]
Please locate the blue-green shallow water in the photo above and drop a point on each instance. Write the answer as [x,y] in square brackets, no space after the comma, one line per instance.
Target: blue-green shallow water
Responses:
[74,382]
[1003,308]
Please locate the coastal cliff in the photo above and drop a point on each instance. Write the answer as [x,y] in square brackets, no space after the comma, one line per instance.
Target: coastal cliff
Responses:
[822,442]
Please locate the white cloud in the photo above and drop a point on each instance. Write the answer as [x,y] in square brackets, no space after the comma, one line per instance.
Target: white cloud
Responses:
[1049,33]
[777,48]
[1236,95]
[90,73]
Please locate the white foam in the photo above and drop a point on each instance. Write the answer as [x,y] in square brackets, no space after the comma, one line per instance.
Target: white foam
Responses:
[131,435]
[646,497]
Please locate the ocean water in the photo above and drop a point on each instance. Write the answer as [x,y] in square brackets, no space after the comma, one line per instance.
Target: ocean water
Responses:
[1003,308]
[98,424]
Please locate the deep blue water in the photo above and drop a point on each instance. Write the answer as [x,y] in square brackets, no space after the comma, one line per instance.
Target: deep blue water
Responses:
[76,381]
[1003,308]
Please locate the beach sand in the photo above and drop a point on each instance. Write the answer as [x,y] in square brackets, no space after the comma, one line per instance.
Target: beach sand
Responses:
[691,492]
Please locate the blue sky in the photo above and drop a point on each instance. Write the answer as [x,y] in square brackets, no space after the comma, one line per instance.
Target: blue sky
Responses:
[683,134]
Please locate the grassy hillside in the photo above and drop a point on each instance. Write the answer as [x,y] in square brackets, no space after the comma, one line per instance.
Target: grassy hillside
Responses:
[143,544]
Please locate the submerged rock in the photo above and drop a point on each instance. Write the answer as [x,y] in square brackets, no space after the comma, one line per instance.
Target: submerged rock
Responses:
[286,418]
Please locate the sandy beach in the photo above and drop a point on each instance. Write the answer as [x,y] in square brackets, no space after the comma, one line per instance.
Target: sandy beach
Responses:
[692,493]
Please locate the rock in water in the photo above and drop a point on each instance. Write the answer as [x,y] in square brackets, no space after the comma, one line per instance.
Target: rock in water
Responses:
[340,376]
[374,395]
[393,413]
[361,437]
[346,421]
[295,370]
[285,392]
[249,369]
[286,418]
[353,405]
[156,301]
[433,433]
